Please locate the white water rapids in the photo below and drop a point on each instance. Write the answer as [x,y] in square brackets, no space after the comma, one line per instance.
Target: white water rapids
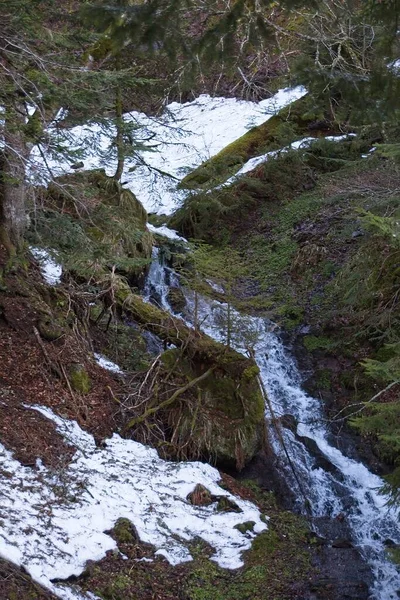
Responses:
[348,487]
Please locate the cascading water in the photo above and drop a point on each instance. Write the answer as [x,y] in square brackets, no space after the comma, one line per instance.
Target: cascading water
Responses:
[347,487]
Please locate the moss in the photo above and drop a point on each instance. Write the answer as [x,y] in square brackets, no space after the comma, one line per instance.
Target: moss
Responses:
[124,532]
[313,342]
[245,527]
[93,223]
[124,344]
[117,588]
[291,315]
[323,379]
[278,557]
[50,329]
[176,299]
[251,372]
[79,379]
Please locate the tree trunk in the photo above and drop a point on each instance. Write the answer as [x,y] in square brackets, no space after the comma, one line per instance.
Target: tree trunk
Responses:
[13,182]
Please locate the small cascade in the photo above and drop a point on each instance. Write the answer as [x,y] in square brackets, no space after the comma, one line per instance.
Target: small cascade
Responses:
[160,278]
[335,485]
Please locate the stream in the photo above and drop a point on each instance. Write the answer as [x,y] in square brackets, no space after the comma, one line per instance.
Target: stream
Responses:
[335,486]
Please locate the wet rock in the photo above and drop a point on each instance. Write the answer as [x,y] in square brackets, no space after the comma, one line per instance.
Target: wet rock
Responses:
[78,165]
[320,460]
[289,422]
[176,299]
[343,575]
[342,543]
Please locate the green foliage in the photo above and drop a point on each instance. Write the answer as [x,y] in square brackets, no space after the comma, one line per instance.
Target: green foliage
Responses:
[312,342]
[93,224]
[370,282]
[351,74]
[381,418]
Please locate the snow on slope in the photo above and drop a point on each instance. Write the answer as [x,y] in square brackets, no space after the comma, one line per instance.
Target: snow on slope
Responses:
[51,270]
[53,523]
[182,138]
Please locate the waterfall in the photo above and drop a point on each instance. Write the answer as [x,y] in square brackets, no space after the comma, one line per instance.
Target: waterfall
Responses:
[347,487]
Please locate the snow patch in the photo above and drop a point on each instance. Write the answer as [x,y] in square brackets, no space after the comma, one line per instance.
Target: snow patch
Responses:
[50,270]
[107,364]
[165,231]
[254,162]
[53,523]
[182,138]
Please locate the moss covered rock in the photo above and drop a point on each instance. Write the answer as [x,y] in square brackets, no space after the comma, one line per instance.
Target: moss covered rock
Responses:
[94,224]
[223,420]
[176,299]
[79,379]
[219,418]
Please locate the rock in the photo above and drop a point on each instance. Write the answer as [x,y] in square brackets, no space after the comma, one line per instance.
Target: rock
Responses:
[289,422]
[50,329]
[229,427]
[176,299]
[317,540]
[320,459]
[245,527]
[342,543]
[79,379]
[225,504]
[124,532]
[222,418]
[200,496]
[390,543]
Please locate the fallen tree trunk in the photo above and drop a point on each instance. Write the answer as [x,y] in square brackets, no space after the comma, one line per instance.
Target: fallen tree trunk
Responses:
[197,346]
[217,413]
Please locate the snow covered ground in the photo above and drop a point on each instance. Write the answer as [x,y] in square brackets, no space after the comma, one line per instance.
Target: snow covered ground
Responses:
[181,139]
[51,270]
[53,523]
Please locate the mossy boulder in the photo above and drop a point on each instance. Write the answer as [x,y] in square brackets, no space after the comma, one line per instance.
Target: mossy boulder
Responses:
[94,223]
[124,532]
[176,299]
[50,329]
[221,418]
[223,421]
[79,378]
